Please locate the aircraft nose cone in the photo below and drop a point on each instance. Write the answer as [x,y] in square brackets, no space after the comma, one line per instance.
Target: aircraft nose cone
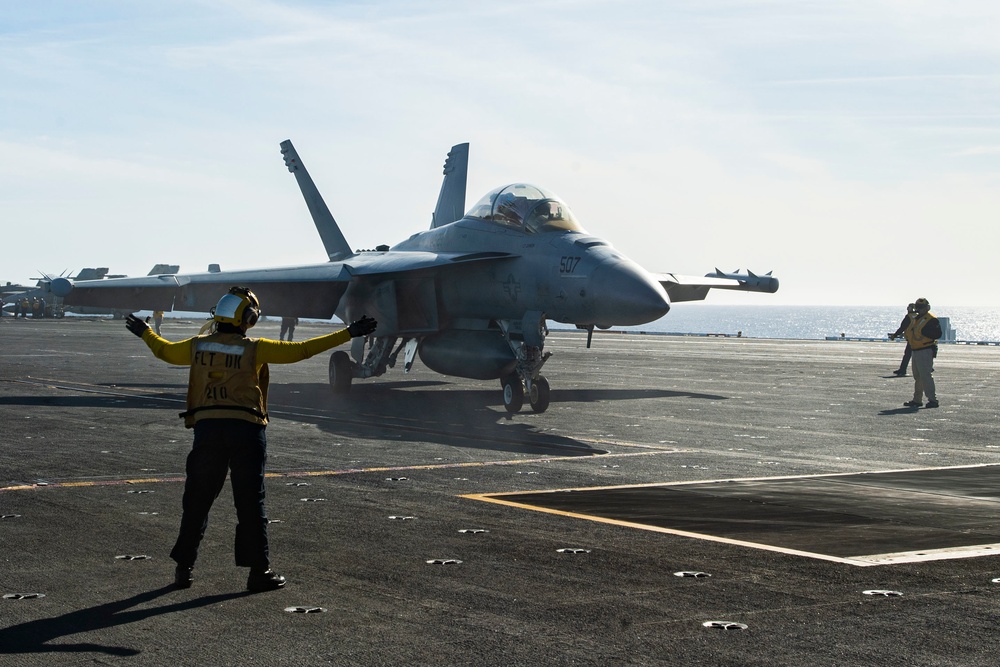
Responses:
[61,287]
[624,294]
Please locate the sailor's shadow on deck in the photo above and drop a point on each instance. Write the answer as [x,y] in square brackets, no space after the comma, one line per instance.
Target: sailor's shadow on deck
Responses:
[33,636]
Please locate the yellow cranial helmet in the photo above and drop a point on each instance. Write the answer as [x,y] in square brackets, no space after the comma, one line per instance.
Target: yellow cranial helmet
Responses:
[240,306]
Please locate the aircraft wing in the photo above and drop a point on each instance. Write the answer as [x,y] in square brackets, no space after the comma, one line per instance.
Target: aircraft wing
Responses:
[696,288]
[306,291]
[312,291]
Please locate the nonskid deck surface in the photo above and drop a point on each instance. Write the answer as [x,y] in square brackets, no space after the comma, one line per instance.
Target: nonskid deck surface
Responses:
[776,467]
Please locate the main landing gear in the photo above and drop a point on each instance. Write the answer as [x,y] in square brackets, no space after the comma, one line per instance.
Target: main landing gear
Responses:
[525,381]
[514,393]
[343,369]
[341,372]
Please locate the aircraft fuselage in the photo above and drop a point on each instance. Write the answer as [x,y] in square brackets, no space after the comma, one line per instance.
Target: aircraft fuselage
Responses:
[569,276]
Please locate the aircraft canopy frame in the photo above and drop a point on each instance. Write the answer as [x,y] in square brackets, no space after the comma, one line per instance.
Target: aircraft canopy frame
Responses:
[527,207]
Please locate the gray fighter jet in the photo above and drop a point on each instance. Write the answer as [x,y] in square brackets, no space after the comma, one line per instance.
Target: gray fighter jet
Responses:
[471,295]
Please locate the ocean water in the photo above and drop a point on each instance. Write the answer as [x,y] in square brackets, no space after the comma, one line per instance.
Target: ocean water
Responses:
[971,323]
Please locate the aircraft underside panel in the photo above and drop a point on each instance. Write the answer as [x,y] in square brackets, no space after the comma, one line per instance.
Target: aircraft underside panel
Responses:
[288,299]
[124,298]
[291,299]
[402,306]
[479,355]
[416,304]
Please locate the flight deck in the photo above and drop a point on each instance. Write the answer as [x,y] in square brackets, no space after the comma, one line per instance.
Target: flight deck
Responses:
[683,500]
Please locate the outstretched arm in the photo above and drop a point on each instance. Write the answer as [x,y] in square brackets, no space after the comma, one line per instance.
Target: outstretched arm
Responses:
[285,352]
[178,353]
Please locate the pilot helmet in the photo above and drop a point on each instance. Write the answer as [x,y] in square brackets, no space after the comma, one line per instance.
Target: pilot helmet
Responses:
[240,306]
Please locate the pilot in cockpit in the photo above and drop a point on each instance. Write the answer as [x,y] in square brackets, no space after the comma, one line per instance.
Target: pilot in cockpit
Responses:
[548,211]
[509,209]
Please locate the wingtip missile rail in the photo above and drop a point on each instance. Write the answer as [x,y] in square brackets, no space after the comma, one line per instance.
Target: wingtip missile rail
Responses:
[749,281]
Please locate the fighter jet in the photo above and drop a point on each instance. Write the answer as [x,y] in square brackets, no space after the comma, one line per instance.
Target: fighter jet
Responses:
[471,295]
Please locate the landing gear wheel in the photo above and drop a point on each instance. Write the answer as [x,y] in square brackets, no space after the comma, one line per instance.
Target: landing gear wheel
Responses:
[340,372]
[513,393]
[539,394]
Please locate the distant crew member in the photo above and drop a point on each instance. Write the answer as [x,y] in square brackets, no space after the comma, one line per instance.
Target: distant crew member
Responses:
[923,333]
[227,407]
[36,308]
[157,321]
[288,324]
[905,362]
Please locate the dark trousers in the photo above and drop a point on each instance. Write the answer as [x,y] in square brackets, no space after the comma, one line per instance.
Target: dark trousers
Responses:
[906,359]
[240,448]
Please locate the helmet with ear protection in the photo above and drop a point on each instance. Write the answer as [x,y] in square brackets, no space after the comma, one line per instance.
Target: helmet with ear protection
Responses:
[239,307]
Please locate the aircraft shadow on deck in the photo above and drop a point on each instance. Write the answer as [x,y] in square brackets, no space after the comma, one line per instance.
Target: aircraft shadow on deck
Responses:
[398,398]
[419,411]
[89,401]
[406,411]
[393,411]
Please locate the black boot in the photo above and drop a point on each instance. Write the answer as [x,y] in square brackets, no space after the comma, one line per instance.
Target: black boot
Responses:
[264,580]
[183,576]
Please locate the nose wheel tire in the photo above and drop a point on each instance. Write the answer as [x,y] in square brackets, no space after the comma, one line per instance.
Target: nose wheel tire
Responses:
[340,372]
[539,394]
[513,393]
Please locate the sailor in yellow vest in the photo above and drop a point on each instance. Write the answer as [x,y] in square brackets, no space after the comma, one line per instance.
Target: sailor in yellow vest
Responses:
[922,334]
[227,408]
[157,321]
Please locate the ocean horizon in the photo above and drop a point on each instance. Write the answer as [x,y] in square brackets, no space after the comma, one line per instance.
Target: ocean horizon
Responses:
[971,323]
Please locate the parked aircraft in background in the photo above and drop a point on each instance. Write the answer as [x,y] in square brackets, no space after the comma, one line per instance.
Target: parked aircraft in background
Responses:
[470,296]
[54,306]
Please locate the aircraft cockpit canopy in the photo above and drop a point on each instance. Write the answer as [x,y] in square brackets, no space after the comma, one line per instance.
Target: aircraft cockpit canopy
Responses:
[527,207]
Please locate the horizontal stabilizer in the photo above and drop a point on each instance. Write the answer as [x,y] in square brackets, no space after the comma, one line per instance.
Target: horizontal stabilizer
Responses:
[160,269]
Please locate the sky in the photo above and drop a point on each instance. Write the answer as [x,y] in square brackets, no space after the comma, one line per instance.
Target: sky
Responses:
[851,147]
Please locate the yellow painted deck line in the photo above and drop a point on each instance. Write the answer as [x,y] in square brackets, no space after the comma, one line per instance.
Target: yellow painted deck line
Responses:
[332,473]
[740,479]
[489,498]
[860,561]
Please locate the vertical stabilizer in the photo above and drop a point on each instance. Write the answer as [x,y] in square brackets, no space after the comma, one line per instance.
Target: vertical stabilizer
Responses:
[451,201]
[333,239]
